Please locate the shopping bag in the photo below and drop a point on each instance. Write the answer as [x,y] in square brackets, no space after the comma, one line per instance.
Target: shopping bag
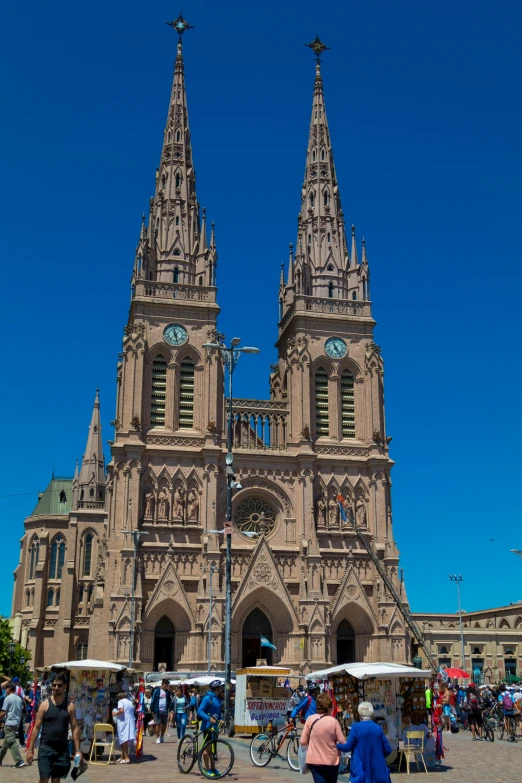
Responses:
[301,755]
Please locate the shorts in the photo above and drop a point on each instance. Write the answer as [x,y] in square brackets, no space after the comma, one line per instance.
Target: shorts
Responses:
[447,710]
[475,718]
[161,719]
[53,763]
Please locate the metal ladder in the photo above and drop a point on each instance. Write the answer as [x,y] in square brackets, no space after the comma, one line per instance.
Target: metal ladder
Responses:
[402,607]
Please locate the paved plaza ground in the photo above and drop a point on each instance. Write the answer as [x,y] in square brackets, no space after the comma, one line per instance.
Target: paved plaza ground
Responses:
[466,762]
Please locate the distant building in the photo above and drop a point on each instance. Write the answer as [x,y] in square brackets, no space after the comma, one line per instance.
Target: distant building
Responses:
[492,641]
[311,459]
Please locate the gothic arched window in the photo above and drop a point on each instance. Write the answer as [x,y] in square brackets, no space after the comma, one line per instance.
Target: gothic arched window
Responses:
[57,557]
[57,598]
[313,154]
[50,597]
[81,593]
[177,252]
[178,180]
[322,154]
[159,391]
[311,199]
[176,274]
[330,290]
[81,650]
[186,395]
[321,403]
[354,295]
[177,220]
[326,198]
[34,551]
[178,135]
[27,598]
[87,555]
[347,405]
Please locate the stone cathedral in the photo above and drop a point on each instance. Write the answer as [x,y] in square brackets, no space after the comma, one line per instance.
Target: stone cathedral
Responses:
[312,459]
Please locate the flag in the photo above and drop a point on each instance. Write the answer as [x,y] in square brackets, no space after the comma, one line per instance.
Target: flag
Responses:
[140,721]
[266,643]
[301,644]
[341,508]
[287,683]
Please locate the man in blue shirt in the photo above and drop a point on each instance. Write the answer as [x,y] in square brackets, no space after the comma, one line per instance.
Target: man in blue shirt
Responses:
[209,713]
[307,706]
[12,709]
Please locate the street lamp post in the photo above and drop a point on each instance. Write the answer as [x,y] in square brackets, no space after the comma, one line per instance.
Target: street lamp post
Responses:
[11,647]
[212,569]
[230,358]
[458,579]
[136,542]
[22,670]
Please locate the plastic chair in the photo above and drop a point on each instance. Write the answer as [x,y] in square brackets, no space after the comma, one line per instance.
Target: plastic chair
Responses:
[104,729]
[413,748]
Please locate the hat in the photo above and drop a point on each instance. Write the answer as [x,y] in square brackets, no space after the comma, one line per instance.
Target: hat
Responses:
[15,679]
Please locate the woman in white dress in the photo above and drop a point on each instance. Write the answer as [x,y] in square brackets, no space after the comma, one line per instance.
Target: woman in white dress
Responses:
[125,724]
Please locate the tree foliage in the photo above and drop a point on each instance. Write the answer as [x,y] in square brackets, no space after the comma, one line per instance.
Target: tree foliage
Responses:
[5,638]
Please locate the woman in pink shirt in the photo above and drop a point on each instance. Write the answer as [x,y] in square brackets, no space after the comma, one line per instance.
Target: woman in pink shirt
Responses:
[322,733]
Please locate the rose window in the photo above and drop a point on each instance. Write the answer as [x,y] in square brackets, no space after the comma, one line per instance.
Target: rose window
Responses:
[255,515]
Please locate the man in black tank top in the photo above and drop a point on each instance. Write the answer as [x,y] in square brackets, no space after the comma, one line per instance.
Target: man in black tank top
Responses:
[53,717]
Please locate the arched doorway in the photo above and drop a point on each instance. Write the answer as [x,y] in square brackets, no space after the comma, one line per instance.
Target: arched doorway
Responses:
[255,626]
[345,643]
[164,644]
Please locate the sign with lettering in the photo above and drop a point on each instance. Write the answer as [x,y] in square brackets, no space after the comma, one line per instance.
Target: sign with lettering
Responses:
[264,710]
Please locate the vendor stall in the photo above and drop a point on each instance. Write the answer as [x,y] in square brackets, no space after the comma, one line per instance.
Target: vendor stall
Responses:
[395,691]
[260,698]
[93,687]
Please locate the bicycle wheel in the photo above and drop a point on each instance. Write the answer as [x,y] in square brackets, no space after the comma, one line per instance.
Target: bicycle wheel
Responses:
[488,731]
[511,730]
[292,753]
[261,750]
[500,728]
[215,759]
[186,754]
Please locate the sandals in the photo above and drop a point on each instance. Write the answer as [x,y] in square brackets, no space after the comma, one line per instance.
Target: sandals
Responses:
[123,761]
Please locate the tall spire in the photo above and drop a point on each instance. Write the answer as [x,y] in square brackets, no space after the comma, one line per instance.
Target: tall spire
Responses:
[320,258]
[176,250]
[91,481]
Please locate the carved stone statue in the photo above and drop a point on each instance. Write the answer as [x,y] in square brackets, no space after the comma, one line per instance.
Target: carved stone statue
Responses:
[361,513]
[321,511]
[149,505]
[193,505]
[102,559]
[333,512]
[179,502]
[163,504]
[349,513]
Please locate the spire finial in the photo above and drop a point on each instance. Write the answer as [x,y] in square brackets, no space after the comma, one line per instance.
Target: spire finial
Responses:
[317,47]
[180,25]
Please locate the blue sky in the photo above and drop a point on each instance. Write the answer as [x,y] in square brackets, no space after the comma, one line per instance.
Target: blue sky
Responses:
[424,108]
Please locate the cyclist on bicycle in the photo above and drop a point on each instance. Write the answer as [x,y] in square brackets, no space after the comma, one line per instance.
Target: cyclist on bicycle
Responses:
[209,713]
[307,706]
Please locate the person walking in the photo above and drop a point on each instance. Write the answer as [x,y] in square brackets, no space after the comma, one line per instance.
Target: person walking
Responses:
[125,725]
[54,717]
[194,704]
[161,705]
[12,710]
[474,713]
[369,748]
[209,713]
[322,734]
[181,705]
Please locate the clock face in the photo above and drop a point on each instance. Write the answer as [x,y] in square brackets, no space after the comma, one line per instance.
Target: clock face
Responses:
[175,334]
[335,347]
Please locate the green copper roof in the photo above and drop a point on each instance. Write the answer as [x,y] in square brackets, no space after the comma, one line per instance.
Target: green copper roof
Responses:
[56,499]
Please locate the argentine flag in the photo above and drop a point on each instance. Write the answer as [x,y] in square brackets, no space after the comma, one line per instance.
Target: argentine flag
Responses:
[266,643]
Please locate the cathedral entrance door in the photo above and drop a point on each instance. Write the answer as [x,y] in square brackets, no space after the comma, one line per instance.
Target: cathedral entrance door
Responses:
[164,644]
[345,643]
[256,625]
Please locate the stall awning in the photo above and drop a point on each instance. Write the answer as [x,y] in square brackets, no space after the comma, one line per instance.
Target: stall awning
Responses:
[90,663]
[267,671]
[363,671]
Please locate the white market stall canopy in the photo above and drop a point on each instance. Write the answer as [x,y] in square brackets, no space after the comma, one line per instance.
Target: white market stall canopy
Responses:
[266,671]
[90,663]
[363,671]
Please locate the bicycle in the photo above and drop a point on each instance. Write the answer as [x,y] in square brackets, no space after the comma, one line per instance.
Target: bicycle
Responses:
[488,725]
[264,746]
[217,753]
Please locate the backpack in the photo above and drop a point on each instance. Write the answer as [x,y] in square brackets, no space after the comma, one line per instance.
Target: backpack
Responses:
[454,728]
[507,701]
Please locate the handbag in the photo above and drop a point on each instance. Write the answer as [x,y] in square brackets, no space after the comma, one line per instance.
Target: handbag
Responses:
[303,750]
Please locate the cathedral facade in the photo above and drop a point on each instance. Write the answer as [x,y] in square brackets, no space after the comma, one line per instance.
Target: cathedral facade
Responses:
[312,460]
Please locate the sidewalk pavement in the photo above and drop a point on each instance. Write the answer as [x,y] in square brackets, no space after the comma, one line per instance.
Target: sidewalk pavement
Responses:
[466,762]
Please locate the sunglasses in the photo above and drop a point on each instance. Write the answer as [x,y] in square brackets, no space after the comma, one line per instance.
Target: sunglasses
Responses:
[57,685]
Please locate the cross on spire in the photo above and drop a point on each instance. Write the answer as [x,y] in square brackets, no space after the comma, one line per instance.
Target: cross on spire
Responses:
[317,47]
[180,25]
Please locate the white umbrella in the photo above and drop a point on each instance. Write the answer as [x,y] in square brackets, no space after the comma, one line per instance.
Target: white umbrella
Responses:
[90,663]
